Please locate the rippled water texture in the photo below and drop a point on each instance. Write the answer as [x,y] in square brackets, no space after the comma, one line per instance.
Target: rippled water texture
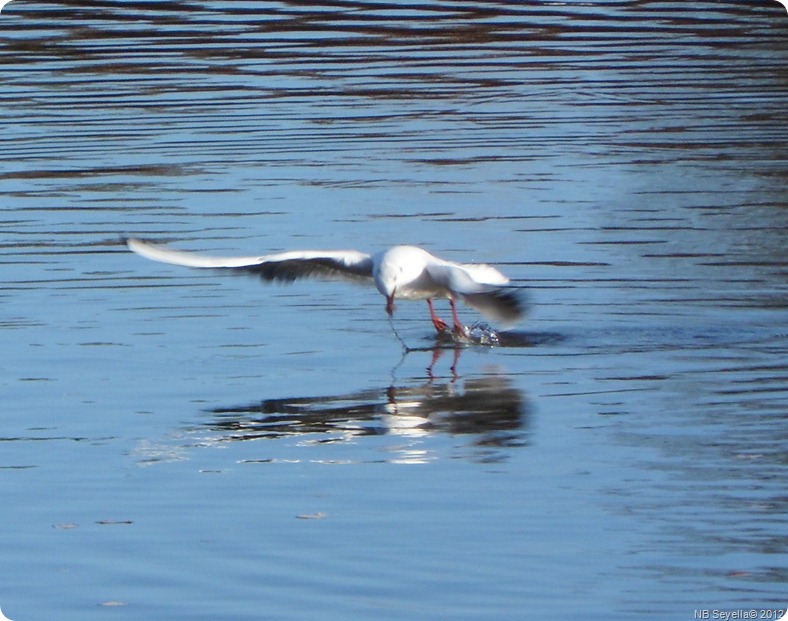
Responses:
[176,444]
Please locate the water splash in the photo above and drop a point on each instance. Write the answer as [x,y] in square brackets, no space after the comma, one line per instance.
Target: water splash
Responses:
[479,333]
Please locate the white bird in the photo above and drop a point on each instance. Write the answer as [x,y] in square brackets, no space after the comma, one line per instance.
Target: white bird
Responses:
[401,272]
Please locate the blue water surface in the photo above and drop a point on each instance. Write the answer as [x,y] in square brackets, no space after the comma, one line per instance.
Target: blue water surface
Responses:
[177,444]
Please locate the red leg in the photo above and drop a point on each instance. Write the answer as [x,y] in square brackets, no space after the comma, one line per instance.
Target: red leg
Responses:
[454,375]
[440,325]
[458,327]
[436,354]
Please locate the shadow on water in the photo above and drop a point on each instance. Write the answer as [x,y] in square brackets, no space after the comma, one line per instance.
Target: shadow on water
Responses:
[481,334]
[486,409]
[489,409]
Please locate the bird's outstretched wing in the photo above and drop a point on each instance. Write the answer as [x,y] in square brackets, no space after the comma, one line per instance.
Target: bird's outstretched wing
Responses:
[283,267]
[481,287]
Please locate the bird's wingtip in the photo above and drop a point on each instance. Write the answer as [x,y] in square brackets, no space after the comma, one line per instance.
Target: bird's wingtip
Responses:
[506,305]
[132,242]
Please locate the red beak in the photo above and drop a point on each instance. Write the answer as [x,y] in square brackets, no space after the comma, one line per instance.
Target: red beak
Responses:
[390,304]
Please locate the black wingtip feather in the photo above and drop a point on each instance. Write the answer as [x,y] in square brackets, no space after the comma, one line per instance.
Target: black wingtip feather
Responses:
[288,271]
[507,305]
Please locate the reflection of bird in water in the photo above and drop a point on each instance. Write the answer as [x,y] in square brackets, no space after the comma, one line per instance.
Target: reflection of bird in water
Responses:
[487,407]
[401,272]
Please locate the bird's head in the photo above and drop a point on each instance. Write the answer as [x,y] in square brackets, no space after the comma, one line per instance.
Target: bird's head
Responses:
[387,285]
[387,279]
[395,271]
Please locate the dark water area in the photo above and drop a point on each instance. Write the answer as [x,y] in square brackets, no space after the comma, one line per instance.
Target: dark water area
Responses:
[180,444]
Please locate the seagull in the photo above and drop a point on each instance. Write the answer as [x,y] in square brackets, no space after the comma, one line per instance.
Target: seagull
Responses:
[401,272]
